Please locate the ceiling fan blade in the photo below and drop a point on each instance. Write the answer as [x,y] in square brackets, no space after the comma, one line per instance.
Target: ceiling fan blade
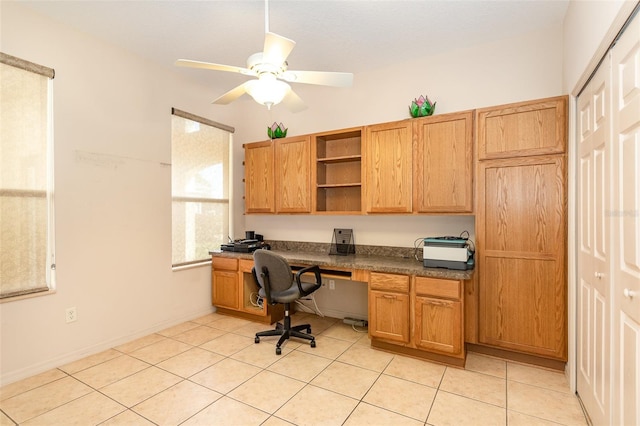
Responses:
[293,102]
[276,48]
[336,79]
[231,95]
[208,65]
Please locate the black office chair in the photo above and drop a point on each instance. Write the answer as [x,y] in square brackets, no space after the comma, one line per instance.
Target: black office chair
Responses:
[277,285]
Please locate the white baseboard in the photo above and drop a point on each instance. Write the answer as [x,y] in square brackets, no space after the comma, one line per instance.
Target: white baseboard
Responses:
[32,370]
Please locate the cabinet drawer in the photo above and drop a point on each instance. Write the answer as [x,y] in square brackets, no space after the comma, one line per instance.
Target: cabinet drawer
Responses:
[391,282]
[438,287]
[245,265]
[224,263]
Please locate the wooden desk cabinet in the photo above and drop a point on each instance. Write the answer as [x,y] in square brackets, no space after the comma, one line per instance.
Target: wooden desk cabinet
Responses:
[389,307]
[425,319]
[224,278]
[439,324]
[234,291]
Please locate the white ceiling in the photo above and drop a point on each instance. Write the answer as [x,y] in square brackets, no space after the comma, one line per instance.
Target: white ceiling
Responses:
[331,35]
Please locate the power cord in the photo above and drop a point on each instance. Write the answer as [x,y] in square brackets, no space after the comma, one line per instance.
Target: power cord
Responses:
[314,310]
[259,301]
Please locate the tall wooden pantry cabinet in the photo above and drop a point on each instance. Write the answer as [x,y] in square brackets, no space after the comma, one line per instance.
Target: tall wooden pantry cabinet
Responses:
[521,227]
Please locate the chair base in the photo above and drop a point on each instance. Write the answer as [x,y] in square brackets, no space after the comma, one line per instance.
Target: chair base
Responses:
[286,331]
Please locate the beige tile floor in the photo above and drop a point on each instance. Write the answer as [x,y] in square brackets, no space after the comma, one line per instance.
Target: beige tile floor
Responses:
[209,371]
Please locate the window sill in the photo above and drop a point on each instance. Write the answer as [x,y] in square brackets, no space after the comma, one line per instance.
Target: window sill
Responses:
[28,296]
[191,265]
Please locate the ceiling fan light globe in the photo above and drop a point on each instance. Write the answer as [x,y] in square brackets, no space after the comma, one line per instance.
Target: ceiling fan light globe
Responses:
[267,91]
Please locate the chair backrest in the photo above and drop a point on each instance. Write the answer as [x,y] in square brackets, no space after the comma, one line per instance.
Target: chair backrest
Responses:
[280,276]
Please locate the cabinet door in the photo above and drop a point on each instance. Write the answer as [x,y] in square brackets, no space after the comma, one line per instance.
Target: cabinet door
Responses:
[387,161]
[443,164]
[524,128]
[259,178]
[521,232]
[293,175]
[438,325]
[389,316]
[225,291]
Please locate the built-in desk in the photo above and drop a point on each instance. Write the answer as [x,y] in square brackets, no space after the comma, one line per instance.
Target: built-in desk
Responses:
[359,262]
[412,309]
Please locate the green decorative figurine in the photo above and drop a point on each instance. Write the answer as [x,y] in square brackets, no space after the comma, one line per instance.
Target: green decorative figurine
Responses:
[422,107]
[277,131]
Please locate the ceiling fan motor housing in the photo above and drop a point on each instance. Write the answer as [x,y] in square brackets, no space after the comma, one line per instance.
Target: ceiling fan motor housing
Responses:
[257,65]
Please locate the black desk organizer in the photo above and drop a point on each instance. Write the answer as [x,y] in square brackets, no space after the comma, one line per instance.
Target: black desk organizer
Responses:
[342,242]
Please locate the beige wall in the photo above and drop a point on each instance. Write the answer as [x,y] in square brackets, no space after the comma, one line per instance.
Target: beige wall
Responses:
[586,25]
[112,136]
[113,208]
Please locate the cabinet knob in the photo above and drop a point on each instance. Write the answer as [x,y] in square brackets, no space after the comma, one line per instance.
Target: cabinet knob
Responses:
[599,275]
[389,296]
[628,293]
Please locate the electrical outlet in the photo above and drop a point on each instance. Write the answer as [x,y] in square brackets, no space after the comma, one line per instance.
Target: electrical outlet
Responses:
[332,285]
[71,314]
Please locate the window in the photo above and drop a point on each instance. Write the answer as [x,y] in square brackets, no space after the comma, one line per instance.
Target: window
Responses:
[200,171]
[26,178]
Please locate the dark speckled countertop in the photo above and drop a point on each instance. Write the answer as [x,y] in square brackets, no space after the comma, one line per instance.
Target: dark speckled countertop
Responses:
[395,260]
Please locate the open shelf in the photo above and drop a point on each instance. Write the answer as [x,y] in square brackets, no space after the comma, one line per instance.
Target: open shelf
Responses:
[341,159]
[338,185]
[338,171]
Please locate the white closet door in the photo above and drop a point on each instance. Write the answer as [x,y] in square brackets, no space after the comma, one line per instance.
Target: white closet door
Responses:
[593,325]
[625,218]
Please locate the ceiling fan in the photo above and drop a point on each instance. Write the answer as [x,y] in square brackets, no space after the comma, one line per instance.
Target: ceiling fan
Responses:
[271,69]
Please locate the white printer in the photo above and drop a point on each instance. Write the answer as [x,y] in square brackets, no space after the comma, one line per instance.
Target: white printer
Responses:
[447,252]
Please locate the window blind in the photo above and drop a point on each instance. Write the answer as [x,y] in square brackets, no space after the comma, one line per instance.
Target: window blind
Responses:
[200,174]
[26,177]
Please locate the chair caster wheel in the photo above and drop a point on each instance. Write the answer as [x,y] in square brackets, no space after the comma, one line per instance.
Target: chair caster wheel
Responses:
[278,351]
[257,339]
[313,343]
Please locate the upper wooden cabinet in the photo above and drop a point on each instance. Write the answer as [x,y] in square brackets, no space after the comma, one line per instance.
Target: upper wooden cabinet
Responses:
[259,180]
[293,176]
[522,129]
[443,163]
[386,156]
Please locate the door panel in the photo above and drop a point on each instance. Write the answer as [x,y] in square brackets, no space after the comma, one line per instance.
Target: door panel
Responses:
[293,175]
[259,179]
[625,218]
[593,335]
[523,308]
[388,167]
[443,163]
[521,220]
